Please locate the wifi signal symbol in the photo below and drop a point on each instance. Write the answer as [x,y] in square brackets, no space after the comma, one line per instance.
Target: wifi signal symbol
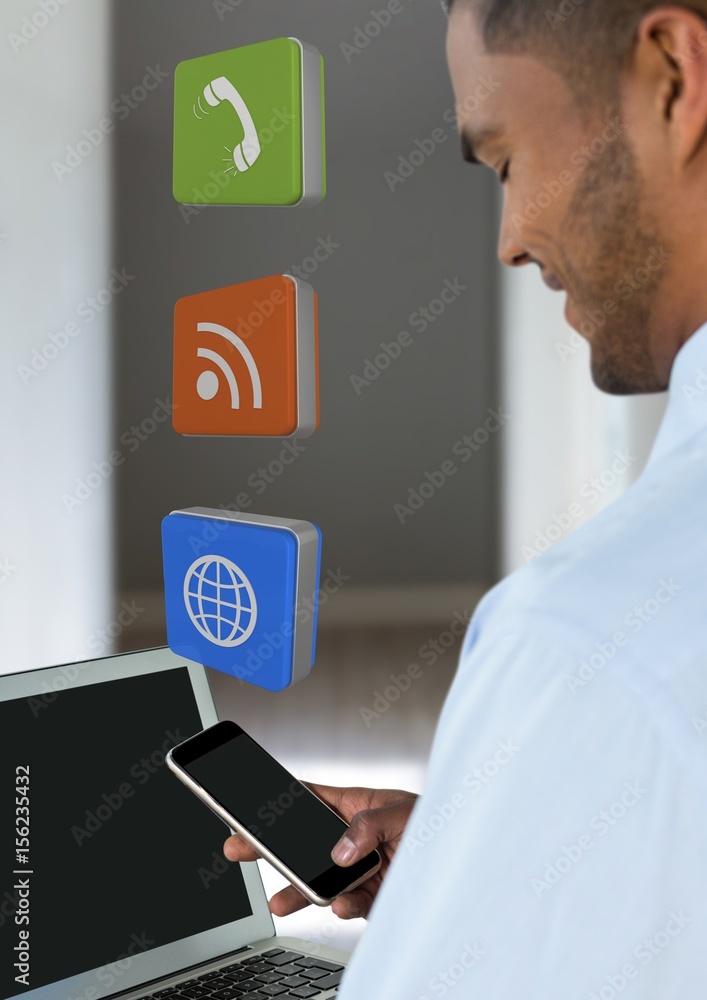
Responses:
[208,383]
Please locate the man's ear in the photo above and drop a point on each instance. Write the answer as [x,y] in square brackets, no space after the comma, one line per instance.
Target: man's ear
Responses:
[671,47]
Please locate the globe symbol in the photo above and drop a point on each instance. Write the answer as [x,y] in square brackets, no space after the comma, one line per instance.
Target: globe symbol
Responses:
[220,600]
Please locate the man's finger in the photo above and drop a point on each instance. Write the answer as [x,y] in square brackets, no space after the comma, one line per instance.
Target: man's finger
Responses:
[352,904]
[236,849]
[368,830]
[287,901]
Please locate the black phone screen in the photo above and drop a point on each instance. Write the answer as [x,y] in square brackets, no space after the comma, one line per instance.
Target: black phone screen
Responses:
[268,801]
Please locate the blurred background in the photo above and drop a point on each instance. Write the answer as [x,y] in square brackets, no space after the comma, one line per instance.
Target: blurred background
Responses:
[94,252]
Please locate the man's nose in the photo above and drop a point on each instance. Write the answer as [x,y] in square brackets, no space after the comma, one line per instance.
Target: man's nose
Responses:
[510,251]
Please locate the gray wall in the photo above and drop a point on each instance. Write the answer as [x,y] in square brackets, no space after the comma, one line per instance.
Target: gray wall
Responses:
[396,251]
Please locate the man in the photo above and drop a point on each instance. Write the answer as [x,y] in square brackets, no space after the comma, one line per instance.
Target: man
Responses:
[559,850]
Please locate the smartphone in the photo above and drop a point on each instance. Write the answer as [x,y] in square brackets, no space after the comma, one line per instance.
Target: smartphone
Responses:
[277,815]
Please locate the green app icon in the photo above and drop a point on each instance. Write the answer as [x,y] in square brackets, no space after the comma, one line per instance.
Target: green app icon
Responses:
[249,126]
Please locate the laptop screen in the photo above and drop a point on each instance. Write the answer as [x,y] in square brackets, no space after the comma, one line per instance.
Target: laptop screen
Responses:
[122,858]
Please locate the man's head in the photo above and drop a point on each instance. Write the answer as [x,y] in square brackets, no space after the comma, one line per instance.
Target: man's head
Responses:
[594,115]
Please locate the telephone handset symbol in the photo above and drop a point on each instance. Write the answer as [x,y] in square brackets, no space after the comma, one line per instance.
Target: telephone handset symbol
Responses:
[246,152]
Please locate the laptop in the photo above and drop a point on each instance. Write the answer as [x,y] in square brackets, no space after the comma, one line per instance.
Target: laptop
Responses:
[113,881]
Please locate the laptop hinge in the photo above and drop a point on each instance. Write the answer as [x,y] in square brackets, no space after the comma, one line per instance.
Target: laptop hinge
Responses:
[143,987]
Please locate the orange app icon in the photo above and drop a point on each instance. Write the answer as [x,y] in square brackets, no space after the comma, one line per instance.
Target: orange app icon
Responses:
[246,360]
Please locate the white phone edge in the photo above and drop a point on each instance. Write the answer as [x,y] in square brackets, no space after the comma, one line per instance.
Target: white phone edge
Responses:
[236,827]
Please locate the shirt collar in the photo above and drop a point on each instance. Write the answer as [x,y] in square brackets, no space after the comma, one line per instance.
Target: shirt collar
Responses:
[686,413]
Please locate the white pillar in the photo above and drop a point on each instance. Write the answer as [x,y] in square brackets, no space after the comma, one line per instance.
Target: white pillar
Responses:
[55,566]
[563,431]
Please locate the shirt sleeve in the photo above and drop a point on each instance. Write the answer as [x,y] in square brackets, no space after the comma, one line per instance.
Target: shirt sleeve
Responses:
[559,849]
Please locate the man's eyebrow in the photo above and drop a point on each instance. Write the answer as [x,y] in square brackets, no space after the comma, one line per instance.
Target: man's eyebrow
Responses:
[473,139]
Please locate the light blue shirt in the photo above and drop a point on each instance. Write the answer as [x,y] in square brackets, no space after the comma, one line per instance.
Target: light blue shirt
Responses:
[559,851]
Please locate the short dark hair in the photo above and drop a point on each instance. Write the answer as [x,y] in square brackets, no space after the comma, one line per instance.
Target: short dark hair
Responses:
[587,41]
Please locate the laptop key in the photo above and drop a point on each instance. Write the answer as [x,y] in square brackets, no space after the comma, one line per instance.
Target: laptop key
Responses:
[283,958]
[228,994]
[292,981]
[187,982]
[313,973]
[306,962]
[240,975]
[272,990]
[194,992]
[254,996]
[290,969]
[304,991]
[330,982]
[166,993]
[210,975]
[269,977]
[274,951]
[329,966]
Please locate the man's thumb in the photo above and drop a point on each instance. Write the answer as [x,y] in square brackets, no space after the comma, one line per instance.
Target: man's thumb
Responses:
[369,828]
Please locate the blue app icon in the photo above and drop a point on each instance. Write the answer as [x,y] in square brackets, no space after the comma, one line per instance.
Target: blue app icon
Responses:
[241,593]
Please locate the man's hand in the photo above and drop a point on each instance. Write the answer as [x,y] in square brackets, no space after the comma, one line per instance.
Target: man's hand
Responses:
[376,821]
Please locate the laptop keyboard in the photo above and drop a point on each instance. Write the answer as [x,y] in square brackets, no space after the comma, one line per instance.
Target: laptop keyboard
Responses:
[274,973]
